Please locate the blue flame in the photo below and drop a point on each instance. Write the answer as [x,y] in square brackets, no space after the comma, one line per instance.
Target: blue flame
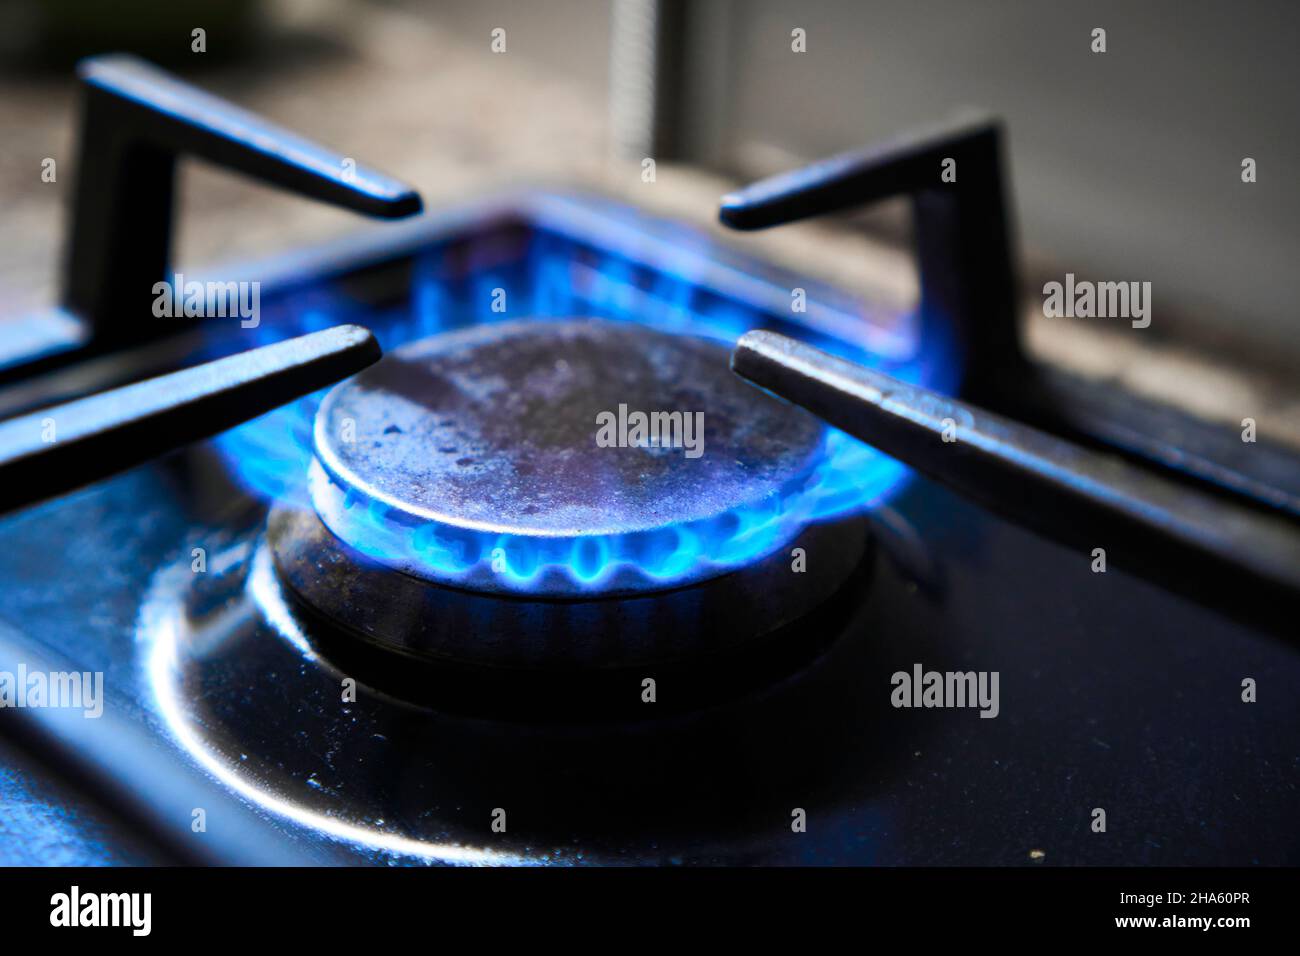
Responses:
[550,275]
[848,475]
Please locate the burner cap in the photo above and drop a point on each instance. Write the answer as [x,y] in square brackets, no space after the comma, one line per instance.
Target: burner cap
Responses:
[522,457]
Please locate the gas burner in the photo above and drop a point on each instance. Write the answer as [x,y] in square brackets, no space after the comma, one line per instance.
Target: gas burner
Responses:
[465,513]
[477,459]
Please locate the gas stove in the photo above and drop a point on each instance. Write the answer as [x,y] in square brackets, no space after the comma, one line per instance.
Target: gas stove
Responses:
[550,583]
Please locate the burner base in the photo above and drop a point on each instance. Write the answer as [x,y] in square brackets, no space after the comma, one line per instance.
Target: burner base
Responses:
[434,644]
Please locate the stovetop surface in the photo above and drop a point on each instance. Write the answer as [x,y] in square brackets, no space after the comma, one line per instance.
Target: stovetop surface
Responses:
[1113,693]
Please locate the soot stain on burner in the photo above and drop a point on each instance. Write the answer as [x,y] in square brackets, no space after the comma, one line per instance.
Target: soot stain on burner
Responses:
[496,426]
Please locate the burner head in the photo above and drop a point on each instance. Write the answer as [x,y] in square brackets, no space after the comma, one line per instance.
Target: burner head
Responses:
[483,459]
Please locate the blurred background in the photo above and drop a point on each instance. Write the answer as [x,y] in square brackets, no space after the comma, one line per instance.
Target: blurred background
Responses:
[1125,165]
